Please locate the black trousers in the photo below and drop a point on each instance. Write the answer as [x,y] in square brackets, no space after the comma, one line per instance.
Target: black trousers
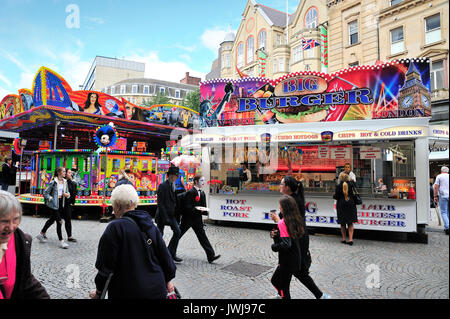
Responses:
[197,227]
[281,280]
[58,215]
[173,244]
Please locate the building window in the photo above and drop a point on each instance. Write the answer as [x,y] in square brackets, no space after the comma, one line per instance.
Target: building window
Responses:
[394,2]
[297,54]
[250,49]
[437,75]
[177,94]
[278,39]
[146,89]
[122,89]
[433,29]
[397,44]
[162,91]
[227,60]
[113,90]
[275,65]
[134,89]
[351,65]
[262,39]
[240,55]
[353,32]
[311,18]
[280,65]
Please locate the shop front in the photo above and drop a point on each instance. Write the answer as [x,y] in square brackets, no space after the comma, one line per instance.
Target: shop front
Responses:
[375,118]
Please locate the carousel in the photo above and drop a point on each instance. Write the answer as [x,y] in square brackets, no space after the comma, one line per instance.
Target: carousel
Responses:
[98,136]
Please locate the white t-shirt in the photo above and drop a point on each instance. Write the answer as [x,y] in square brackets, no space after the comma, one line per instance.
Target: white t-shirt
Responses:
[442,182]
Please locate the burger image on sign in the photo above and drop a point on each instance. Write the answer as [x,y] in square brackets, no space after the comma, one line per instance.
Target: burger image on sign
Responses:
[326,136]
[301,103]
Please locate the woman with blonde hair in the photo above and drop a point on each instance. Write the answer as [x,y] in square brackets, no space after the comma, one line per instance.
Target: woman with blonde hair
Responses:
[345,207]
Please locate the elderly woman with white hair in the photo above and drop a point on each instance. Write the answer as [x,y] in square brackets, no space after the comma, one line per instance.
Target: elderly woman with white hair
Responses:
[132,253]
[16,279]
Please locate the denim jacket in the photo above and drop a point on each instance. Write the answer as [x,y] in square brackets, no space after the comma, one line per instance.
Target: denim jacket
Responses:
[51,194]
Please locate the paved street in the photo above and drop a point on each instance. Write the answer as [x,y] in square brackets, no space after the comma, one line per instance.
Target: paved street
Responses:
[406,270]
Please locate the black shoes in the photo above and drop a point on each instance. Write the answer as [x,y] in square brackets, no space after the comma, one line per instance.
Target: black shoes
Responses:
[73,240]
[210,260]
[177,259]
[446,231]
[350,243]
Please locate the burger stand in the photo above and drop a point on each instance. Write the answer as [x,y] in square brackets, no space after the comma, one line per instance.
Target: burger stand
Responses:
[97,145]
[377,120]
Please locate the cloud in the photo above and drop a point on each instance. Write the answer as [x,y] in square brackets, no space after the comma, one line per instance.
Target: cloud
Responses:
[191,48]
[3,93]
[5,80]
[212,38]
[156,68]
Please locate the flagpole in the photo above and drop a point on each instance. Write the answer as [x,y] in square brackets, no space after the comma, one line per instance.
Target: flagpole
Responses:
[287,22]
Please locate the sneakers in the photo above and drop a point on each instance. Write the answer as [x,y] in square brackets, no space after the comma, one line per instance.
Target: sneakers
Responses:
[63,245]
[325,296]
[42,238]
[73,240]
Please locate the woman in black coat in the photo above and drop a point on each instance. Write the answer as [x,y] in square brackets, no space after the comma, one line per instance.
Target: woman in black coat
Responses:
[290,186]
[132,253]
[346,207]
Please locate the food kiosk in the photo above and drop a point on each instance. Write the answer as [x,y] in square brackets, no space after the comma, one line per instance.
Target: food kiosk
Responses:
[309,125]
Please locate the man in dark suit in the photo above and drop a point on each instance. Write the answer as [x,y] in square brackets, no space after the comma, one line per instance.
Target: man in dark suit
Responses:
[8,174]
[192,217]
[166,210]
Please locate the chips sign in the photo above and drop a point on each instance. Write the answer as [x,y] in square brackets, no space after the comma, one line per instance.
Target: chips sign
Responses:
[397,89]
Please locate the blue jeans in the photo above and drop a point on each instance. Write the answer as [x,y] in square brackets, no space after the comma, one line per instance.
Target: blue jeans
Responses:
[443,206]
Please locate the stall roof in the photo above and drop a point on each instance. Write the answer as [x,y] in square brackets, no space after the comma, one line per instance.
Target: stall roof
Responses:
[438,156]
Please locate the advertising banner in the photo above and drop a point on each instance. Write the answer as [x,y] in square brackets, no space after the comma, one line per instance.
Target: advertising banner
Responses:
[374,214]
[396,89]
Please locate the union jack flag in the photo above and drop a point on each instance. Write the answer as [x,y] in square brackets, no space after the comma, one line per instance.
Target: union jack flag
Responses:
[309,44]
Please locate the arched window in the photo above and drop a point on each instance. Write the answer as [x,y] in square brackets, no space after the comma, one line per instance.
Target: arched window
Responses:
[311,18]
[262,39]
[240,55]
[250,49]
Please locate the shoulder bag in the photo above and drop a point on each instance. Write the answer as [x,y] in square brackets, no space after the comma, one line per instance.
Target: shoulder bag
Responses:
[356,196]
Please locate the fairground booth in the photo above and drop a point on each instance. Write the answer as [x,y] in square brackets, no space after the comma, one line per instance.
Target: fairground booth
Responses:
[96,135]
[309,125]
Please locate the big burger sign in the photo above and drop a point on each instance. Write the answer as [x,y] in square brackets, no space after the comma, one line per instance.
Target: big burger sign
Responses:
[358,93]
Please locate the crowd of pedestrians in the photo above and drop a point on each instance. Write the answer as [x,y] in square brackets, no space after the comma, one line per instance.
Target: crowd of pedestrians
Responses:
[133,260]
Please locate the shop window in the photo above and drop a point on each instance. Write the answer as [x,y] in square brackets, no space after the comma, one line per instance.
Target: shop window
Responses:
[433,29]
[437,75]
[353,32]
[397,44]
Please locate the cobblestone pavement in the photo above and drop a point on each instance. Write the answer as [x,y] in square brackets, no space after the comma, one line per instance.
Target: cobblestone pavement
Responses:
[406,270]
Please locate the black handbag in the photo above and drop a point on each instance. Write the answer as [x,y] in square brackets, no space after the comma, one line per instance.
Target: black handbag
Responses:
[356,196]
